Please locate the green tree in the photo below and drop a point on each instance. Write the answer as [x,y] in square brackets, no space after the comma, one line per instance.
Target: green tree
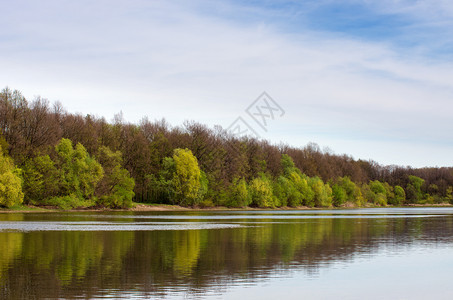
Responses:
[161,185]
[301,183]
[40,179]
[358,196]
[80,173]
[286,192]
[414,189]
[339,195]
[449,194]
[10,182]
[238,194]
[377,193]
[180,180]
[292,188]
[287,164]
[78,176]
[261,192]
[186,179]
[399,196]
[116,188]
[322,192]
[204,186]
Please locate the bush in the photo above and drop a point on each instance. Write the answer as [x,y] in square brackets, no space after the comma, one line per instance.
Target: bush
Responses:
[69,202]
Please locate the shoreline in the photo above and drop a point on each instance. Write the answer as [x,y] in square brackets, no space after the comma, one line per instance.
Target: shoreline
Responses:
[140,207]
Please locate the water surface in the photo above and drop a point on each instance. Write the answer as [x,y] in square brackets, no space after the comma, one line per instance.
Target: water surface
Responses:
[355,254]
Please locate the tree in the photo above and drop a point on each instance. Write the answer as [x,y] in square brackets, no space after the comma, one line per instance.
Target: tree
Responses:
[287,164]
[287,193]
[377,193]
[40,179]
[302,184]
[414,189]
[449,194]
[238,194]
[10,182]
[294,188]
[79,172]
[261,192]
[399,196]
[344,190]
[77,177]
[339,195]
[180,179]
[116,188]
[322,192]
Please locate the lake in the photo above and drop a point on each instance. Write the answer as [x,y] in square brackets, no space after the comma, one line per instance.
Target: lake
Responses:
[396,253]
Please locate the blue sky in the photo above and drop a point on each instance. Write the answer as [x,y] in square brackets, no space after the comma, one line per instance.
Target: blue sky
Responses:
[373,79]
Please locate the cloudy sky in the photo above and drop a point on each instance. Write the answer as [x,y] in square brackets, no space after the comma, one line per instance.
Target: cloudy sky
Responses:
[373,79]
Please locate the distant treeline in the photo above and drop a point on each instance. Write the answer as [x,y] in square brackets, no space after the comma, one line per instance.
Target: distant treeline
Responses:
[52,157]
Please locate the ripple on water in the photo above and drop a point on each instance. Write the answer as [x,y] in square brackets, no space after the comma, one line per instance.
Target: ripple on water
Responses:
[108,226]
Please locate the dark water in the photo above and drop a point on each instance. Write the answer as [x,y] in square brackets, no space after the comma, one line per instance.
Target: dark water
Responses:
[341,254]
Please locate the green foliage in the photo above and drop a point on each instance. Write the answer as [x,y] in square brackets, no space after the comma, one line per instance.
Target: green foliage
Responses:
[301,183]
[261,192]
[10,182]
[162,184]
[322,192]
[287,164]
[204,186]
[180,180]
[377,187]
[434,194]
[186,179]
[40,179]
[376,193]
[449,194]
[399,196]
[292,188]
[79,173]
[344,190]
[414,192]
[116,188]
[68,181]
[339,195]
[239,194]
[359,199]
[68,202]
[368,195]
[287,193]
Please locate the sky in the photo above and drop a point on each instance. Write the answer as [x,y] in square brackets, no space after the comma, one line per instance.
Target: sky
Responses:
[370,79]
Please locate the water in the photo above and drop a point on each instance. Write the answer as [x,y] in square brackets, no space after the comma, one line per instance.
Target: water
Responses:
[317,254]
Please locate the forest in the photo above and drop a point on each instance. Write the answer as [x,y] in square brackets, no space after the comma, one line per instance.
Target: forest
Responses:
[51,157]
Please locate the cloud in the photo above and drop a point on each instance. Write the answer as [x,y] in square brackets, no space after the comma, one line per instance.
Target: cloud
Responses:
[197,60]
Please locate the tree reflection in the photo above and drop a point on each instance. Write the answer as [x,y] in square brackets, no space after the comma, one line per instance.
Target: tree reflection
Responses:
[88,263]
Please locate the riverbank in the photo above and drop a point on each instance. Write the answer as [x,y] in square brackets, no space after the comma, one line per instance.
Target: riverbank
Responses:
[142,208]
[166,207]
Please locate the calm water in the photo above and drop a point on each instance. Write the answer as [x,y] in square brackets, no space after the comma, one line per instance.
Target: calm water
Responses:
[325,254]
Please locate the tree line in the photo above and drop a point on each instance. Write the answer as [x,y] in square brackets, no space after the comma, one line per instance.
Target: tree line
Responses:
[52,157]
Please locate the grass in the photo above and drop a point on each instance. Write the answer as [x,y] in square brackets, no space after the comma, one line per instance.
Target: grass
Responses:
[23,208]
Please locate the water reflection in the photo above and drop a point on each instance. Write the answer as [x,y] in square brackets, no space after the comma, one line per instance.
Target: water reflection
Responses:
[107,257]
